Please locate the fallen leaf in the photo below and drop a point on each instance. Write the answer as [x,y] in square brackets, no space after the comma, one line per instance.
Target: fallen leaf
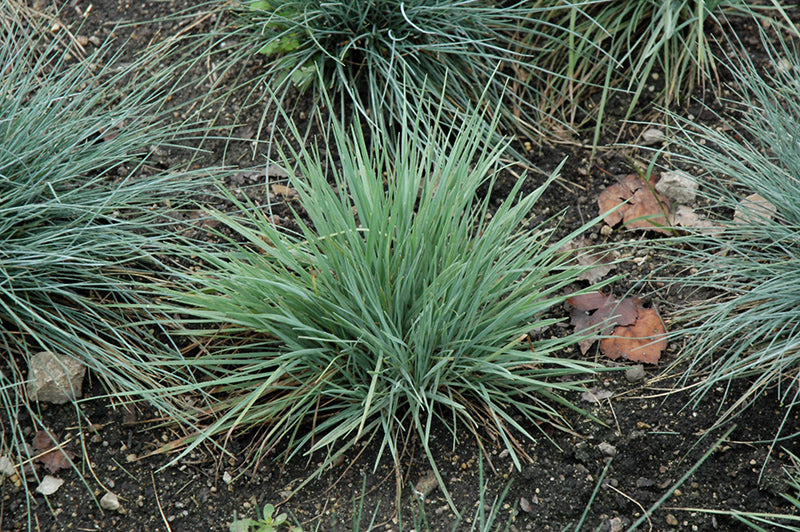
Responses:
[240,178]
[48,452]
[599,262]
[688,218]
[283,190]
[632,331]
[130,415]
[590,301]
[642,341]
[754,209]
[276,171]
[625,312]
[607,312]
[597,273]
[636,204]
[612,198]
[584,321]
[109,134]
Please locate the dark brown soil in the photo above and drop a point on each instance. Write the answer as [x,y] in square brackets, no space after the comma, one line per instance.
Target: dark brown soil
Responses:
[603,475]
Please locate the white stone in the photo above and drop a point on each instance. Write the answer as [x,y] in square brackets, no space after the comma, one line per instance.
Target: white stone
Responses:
[652,136]
[678,186]
[6,466]
[607,449]
[109,501]
[55,378]
[49,485]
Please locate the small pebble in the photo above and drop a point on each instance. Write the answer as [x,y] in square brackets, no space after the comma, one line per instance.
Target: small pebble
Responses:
[672,520]
[426,485]
[635,373]
[110,502]
[678,186]
[652,136]
[6,467]
[607,449]
[49,484]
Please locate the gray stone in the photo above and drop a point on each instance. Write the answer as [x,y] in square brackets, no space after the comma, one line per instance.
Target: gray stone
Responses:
[6,466]
[607,449]
[49,485]
[678,186]
[616,524]
[635,373]
[55,378]
[426,485]
[109,501]
[652,136]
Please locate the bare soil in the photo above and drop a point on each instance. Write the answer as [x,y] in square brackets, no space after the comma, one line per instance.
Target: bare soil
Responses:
[646,441]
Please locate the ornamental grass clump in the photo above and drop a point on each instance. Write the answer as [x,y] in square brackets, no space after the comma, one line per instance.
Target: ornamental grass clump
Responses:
[642,49]
[750,328]
[664,45]
[78,229]
[403,300]
[372,55]
[554,65]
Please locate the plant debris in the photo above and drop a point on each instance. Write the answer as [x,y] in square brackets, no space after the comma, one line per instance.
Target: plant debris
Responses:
[642,341]
[632,331]
[52,455]
[599,262]
[639,205]
[597,313]
[596,395]
[754,209]
[635,203]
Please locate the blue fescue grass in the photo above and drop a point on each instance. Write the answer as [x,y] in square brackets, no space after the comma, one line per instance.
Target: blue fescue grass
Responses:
[372,55]
[403,300]
[78,238]
[749,329]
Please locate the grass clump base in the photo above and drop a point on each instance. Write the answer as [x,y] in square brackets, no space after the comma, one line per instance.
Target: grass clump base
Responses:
[372,56]
[749,328]
[402,300]
[554,65]
[78,231]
